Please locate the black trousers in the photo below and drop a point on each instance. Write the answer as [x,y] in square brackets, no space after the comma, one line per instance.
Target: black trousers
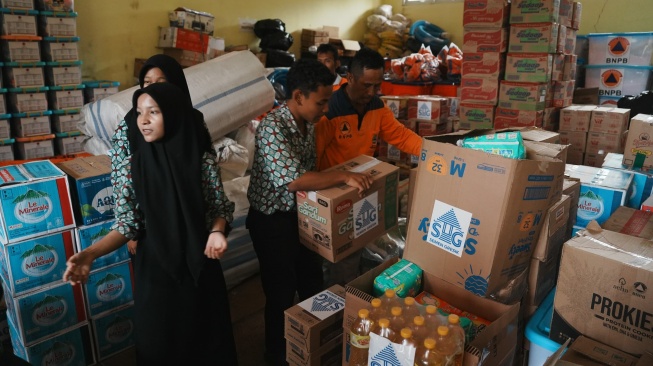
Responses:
[287,268]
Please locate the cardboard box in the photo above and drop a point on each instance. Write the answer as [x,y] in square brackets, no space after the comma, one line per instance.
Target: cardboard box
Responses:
[549,244]
[576,118]
[550,119]
[602,191]
[330,354]
[647,205]
[484,64]
[69,347]
[495,343]
[35,201]
[479,90]
[529,67]
[556,151]
[639,142]
[529,11]
[476,116]
[486,14]
[630,221]
[186,58]
[563,93]
[87,235]
[540,135]
[345,47]
[576,140]
[45,312]
[523,96]
[427,108]
[336,222]
[609,120]
[571,187]
[173,37]
[604,143]
[397,104]
[534,37]
[29,264]
[594,159]
[113,332]
[601,290]
[566,12]
[504,118]
[192,20]
[92,192]
[588,352]
[487,244]
[575,18]
[109,288]
[484,40]
[315,322]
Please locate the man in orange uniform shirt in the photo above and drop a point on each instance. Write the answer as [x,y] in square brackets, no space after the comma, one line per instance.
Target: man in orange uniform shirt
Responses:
[327,54]
[356,120]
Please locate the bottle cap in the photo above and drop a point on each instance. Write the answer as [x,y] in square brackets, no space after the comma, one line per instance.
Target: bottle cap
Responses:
[431,309]
[410,301]
[429,343]
[363,313]
[396,311]
[418,320]
[453,319]
[389,293]
[384,322]
[443,330]
[406,333]
[376,303]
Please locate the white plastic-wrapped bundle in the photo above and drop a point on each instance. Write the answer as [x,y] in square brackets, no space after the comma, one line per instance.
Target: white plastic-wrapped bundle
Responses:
[229,90]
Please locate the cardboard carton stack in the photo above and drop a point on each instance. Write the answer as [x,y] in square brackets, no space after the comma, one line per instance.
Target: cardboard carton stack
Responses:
[43,312]
[189,38]
[638,146]
[316,37]
[540,64]
[313,329]
[485,41]
[642,180]
[109,291]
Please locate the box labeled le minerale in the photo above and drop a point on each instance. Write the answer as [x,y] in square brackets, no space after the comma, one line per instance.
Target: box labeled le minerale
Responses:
[109,288]
[88,235]
[90,179]
[642,180]
[35,262]
[638,151]
[335,222]
[602,290]
[529,67]
[317,320]
[42,313]
[602,191]
[71,347]
[35,201]
[524,96]
[479,247]
[113,332]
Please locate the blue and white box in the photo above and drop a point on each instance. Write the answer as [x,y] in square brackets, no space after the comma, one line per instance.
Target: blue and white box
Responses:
[87,235]
[91,189]
[114,332]
[40,314]
[72,347]
[36,262]
[109,288]
[642,180]
[602,191]
[34,200]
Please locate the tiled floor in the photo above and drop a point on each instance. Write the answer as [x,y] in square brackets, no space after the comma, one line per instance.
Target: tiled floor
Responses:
[247,304]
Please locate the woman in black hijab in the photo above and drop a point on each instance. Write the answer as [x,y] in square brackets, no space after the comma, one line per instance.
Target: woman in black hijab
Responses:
[158,68]
[180,212]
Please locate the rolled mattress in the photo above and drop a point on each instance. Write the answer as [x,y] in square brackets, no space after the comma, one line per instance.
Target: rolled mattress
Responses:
[230,90]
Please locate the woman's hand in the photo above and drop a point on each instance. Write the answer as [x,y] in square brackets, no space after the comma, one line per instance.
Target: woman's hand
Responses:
[131,246]
[216,245]
[78,267]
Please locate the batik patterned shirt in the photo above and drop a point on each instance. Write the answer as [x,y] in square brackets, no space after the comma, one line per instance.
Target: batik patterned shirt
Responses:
[282,155]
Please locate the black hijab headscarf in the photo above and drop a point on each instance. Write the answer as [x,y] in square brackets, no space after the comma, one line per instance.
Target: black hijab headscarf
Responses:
[167,177]
[174,74]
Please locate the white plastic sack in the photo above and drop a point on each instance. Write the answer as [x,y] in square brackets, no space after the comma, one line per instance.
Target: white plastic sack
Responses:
[236,191]
[245,137]
[230,90]
[232,158]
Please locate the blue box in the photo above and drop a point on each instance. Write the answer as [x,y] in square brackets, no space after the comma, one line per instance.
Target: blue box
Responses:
[114,332]
[91,189]
[642,180]
[72,347]
[601,192]
[87,235]
[41,314]
[537,332]
[34,200]
[33,263]
[109,288]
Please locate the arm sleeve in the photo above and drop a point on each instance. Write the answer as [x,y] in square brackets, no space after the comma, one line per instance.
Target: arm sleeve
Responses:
[282,166]
[218,205]
[393,132]
[129,219]
[323,137]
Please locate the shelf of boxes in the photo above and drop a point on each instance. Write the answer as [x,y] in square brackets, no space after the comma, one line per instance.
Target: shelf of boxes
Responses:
[98,89]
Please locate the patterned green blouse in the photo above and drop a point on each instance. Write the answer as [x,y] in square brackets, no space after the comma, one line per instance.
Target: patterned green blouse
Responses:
[129,219]
[282,155]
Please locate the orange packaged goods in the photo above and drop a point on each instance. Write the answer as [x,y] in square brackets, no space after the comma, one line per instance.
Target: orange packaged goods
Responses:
[428,108]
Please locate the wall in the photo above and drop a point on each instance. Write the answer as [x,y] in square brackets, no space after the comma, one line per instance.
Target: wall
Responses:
[597,16]
[113,33]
